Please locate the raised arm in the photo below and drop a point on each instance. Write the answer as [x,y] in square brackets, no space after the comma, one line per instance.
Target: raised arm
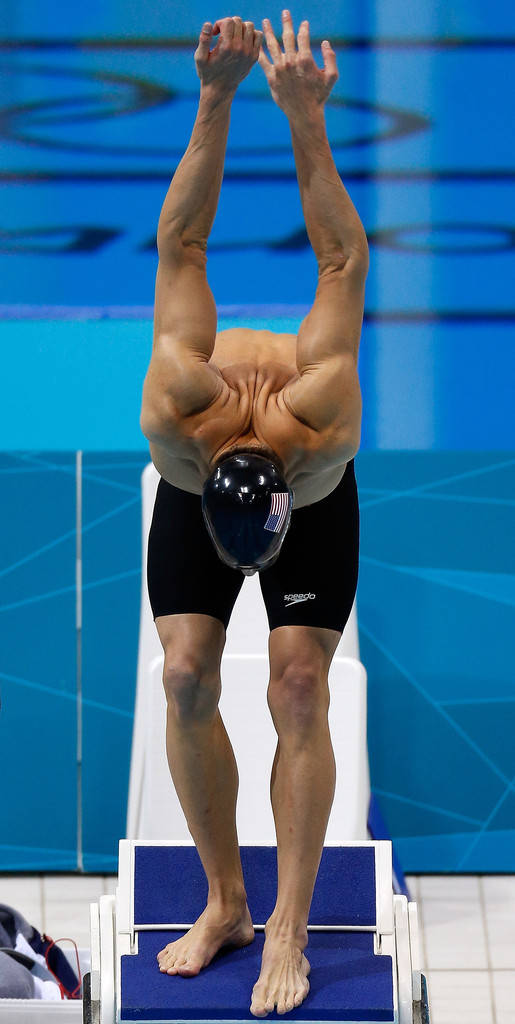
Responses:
[179,380]
[327,393]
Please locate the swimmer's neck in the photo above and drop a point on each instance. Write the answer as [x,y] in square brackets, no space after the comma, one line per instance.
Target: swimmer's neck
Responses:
[241,448]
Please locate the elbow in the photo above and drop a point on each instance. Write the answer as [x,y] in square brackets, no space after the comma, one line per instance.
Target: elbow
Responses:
[353,259]
[149,427]
[348,449]
[357,257]
[156,424]
[177,239]
[352,434]
[169,243]
[352,444]
[355,449]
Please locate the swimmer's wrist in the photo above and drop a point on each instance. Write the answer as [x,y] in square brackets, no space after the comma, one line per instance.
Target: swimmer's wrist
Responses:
[310,119]
[213,96]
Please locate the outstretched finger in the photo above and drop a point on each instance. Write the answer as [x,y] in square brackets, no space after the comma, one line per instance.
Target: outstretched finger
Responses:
[288,34]
[273,46]
[264,62]
[330,66]
[303,39]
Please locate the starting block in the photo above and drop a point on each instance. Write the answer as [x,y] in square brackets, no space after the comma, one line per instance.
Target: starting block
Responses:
[363,940]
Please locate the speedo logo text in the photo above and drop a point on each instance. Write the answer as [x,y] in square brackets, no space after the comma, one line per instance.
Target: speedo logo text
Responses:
[295,598]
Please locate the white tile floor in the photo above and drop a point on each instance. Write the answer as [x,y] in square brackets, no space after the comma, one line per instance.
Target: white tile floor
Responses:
[467,934]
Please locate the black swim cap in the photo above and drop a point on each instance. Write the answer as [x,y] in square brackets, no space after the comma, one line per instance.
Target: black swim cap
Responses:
[247,508]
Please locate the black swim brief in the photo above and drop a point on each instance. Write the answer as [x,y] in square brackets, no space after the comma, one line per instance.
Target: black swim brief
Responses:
[312,583]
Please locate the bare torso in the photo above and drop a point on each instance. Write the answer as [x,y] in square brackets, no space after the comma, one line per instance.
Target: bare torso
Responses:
[251,412]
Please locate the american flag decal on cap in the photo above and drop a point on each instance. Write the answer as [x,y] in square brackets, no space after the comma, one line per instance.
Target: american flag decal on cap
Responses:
[278,511]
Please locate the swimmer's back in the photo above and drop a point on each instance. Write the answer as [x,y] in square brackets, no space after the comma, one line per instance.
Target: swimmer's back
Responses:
[256,369]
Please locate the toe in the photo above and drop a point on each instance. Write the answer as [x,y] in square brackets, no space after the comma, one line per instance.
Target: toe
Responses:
[301,994]
[189,967]
[257,1010]
[169,964]
[257,1006]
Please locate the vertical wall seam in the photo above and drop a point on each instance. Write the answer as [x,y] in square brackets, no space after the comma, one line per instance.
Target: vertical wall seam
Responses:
[78,563]
[42,902]
[484,921]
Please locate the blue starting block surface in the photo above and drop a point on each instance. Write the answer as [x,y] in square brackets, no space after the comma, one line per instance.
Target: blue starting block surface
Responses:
[348,982]
[170,885]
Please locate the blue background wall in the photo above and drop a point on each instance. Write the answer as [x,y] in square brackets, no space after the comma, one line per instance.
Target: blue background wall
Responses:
[98,105]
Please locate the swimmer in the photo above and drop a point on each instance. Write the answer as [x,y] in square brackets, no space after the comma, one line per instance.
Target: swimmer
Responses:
[254,435]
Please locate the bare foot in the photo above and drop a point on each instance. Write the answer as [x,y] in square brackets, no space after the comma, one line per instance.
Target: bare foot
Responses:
[283,981]
[216,927]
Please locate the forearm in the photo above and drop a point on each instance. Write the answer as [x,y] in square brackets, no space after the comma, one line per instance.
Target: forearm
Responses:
[332,221]
[190,206]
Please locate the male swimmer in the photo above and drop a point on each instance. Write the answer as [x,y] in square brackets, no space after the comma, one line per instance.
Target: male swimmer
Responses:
[254,435]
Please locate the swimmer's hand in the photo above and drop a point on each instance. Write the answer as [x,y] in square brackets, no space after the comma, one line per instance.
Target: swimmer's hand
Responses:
[222,69]
[297,84]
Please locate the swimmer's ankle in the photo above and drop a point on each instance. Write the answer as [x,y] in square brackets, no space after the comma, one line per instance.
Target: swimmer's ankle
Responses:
[287,927]
[227,895]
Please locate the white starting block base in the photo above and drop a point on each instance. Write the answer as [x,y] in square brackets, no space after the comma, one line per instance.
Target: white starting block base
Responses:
[363,944]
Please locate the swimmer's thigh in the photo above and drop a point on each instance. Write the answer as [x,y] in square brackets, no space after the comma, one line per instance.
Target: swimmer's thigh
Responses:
[314,581]
[186,579]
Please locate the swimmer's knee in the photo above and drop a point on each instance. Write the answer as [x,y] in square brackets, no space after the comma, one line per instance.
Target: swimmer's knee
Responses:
[192,689]
[298,696]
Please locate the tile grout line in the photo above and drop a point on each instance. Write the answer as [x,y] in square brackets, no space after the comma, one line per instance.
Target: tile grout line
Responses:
[487,944]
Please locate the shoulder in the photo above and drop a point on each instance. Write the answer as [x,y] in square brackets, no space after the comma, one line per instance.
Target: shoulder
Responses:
[327,395]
